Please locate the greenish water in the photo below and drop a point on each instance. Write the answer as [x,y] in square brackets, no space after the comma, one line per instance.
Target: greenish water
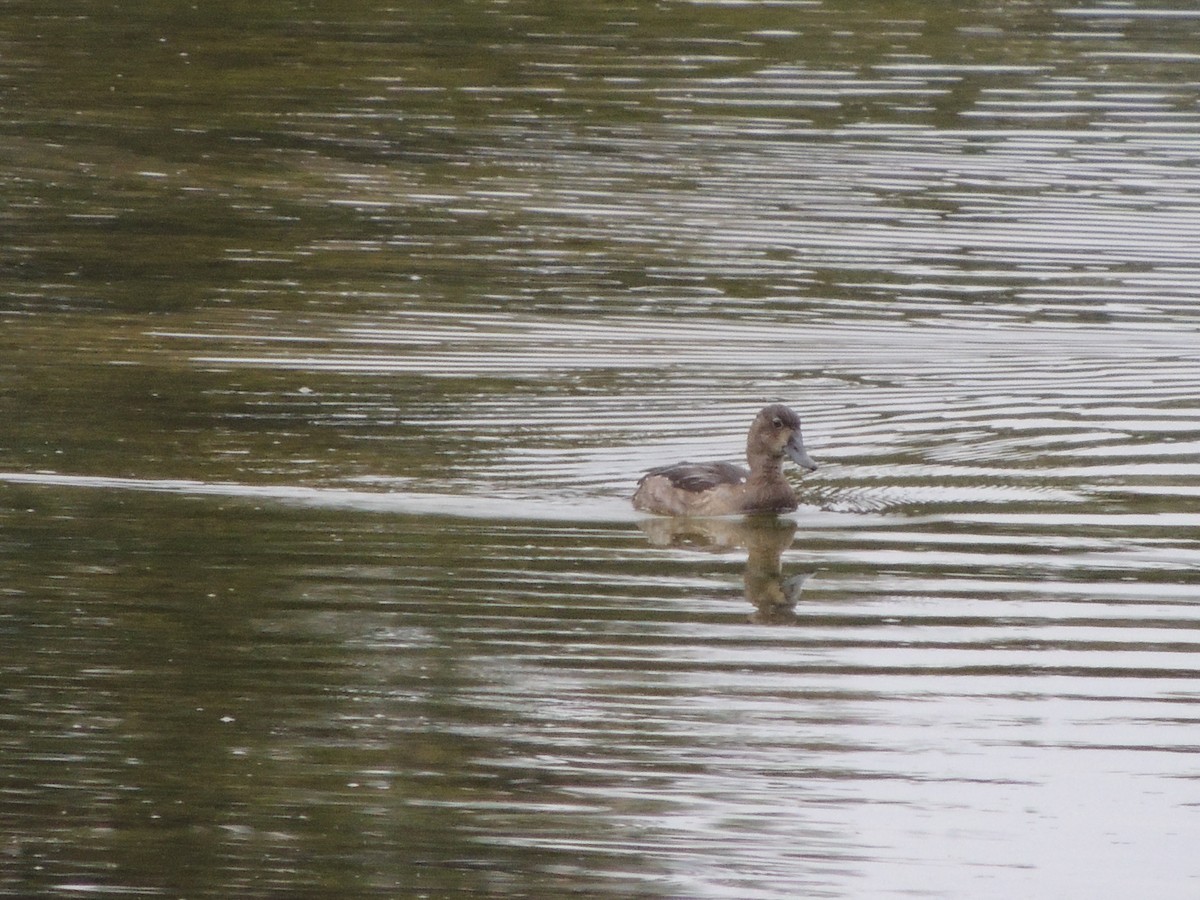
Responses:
[334,337]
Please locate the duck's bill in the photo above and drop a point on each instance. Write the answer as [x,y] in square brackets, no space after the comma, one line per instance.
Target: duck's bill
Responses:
[797,454]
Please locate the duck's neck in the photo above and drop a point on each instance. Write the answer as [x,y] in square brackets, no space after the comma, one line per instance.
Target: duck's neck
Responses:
[764,467]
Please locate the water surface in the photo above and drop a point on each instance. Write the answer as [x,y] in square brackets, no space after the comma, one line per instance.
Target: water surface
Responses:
[333,338]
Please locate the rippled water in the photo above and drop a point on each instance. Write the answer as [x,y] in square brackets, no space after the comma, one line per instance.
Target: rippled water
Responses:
[333,338]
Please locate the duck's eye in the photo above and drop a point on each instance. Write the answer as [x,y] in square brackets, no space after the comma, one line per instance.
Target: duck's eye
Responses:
[777,422]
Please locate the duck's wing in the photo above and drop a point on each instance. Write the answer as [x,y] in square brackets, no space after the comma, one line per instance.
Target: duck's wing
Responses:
[698,477]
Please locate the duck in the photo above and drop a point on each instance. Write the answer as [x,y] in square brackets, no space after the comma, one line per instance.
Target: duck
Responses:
[725,489]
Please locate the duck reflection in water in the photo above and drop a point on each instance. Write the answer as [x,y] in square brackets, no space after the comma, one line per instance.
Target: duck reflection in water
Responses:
[764,538]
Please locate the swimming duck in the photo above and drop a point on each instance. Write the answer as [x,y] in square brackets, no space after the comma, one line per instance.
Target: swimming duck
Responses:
[723,489]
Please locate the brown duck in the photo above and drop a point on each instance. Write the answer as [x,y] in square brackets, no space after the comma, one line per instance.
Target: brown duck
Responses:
[723,489]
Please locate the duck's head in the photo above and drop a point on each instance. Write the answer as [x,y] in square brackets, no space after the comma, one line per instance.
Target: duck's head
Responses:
[776,434]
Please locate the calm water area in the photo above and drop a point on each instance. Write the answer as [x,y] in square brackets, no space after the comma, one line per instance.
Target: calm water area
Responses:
[334,337]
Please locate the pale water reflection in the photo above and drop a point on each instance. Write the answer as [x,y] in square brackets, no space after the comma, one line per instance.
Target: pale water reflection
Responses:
[334,337]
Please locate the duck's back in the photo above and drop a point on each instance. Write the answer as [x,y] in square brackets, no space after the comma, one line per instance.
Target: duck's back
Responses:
[691,489]
[698,477]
